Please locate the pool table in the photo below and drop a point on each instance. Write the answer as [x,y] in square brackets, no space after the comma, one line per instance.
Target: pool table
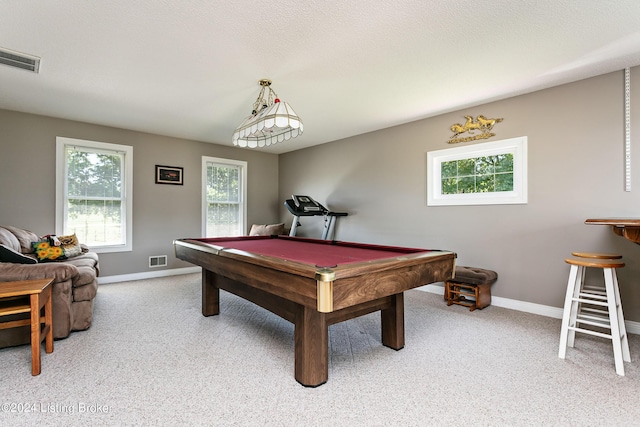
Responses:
[315,283]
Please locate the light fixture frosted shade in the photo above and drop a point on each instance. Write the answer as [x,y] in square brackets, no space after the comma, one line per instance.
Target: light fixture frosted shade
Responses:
[275,123]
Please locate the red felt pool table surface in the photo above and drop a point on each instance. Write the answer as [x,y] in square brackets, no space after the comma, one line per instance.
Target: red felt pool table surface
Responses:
[319,253]
[315,283]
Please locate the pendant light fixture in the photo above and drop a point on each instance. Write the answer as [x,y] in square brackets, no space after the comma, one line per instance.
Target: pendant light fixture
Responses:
[271,121]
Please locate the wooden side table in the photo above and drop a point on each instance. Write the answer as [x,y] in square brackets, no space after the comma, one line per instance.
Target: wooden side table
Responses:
[29,296]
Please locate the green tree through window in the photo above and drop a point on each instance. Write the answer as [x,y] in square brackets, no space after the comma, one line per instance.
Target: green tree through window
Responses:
[94,196]
[487,174]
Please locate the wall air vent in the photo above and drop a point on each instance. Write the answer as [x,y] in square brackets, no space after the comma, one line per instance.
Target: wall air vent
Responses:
[19,60]
[157,261]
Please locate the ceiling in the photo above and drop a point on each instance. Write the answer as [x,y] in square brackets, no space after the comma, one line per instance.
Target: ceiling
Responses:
[190,68]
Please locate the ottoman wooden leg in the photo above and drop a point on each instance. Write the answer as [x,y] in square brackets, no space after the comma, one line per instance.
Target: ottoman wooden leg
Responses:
[483,295]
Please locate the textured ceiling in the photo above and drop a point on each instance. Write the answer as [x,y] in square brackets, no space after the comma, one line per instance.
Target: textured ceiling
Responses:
[190,68]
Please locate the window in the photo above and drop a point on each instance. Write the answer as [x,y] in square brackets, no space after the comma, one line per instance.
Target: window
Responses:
[223,200]
[481,174]
[94,190]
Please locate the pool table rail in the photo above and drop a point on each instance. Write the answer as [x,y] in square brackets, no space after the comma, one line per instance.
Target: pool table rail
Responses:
[323,288]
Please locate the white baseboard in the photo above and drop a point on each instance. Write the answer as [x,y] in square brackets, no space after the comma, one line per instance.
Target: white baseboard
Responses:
[148,275]
[528,307]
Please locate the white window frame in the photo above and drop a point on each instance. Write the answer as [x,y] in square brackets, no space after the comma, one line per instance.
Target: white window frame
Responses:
[243,186]
[127,197]
[435,159]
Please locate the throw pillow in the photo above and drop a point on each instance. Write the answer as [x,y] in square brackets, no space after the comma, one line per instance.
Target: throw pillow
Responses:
[70,245]
[45,251]
[15,257]
[266,230]
[56,248]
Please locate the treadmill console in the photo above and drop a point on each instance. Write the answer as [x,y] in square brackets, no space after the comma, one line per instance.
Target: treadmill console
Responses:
[307,204]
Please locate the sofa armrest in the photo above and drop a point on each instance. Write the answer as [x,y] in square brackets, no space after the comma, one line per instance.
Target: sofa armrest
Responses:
[59,272]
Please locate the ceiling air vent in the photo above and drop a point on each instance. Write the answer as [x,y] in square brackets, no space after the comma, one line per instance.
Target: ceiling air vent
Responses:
[19,60]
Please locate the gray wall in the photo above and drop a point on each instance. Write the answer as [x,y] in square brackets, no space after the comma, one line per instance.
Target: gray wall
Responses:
[161,213]
[575,160]
[575,138]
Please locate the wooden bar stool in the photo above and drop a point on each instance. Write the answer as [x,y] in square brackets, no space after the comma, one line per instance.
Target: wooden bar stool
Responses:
[596,255]
[596,308]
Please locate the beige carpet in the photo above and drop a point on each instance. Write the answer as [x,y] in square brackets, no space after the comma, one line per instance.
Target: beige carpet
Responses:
[151,358]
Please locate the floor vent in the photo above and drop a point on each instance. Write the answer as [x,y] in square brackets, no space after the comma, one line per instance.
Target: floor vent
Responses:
[19,60]
[157,261]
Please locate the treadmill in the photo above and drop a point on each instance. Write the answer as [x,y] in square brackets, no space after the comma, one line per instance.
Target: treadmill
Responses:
[300,205]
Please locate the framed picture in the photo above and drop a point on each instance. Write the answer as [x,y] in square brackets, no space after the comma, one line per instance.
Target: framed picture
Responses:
[169,175]
[492,173]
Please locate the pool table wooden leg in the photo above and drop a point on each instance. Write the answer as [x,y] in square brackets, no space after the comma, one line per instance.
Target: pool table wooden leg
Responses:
[210,294]
[393,323]
[311,338]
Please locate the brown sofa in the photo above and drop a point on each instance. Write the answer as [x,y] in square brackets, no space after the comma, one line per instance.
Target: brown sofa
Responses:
[75,283]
